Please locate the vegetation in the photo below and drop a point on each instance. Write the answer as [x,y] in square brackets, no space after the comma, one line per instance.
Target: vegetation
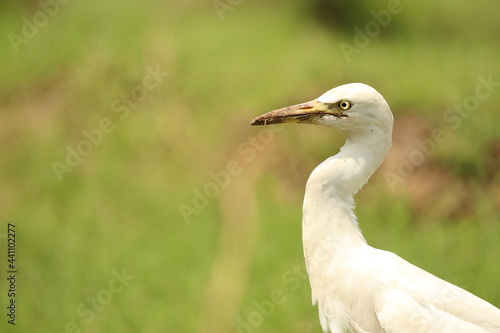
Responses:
[144,202]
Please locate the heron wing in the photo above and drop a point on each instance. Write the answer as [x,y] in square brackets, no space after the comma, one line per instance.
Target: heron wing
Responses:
[400,313]
[413,299]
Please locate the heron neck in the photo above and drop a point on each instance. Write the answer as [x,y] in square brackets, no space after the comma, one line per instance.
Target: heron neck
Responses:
[328,219]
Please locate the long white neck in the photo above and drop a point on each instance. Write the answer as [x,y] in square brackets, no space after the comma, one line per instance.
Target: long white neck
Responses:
[329,223]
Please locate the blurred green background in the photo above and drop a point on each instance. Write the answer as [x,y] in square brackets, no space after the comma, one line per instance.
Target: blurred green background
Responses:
[144,202]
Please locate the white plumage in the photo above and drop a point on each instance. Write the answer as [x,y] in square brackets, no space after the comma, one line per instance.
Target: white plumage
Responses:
[359,288]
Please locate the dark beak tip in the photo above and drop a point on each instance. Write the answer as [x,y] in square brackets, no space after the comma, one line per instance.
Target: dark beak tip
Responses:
[257,122]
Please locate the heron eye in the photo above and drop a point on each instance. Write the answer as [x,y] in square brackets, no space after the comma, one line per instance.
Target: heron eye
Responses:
[344,104]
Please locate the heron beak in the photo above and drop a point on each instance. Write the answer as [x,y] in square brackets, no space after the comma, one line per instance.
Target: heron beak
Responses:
[300,113]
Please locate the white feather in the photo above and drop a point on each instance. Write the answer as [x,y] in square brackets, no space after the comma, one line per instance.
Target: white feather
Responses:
[358,288]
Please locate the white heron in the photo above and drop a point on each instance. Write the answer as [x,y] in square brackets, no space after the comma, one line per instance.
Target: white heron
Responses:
[359,288]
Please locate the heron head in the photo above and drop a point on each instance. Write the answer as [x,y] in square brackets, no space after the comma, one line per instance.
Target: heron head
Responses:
[352,107]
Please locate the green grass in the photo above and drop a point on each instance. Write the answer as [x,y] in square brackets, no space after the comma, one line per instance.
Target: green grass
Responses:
[119,208]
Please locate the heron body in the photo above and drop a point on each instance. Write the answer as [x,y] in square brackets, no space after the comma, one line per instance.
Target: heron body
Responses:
[358,288]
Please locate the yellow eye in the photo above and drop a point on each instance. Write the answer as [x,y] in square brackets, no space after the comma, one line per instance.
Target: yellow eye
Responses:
[344,104]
